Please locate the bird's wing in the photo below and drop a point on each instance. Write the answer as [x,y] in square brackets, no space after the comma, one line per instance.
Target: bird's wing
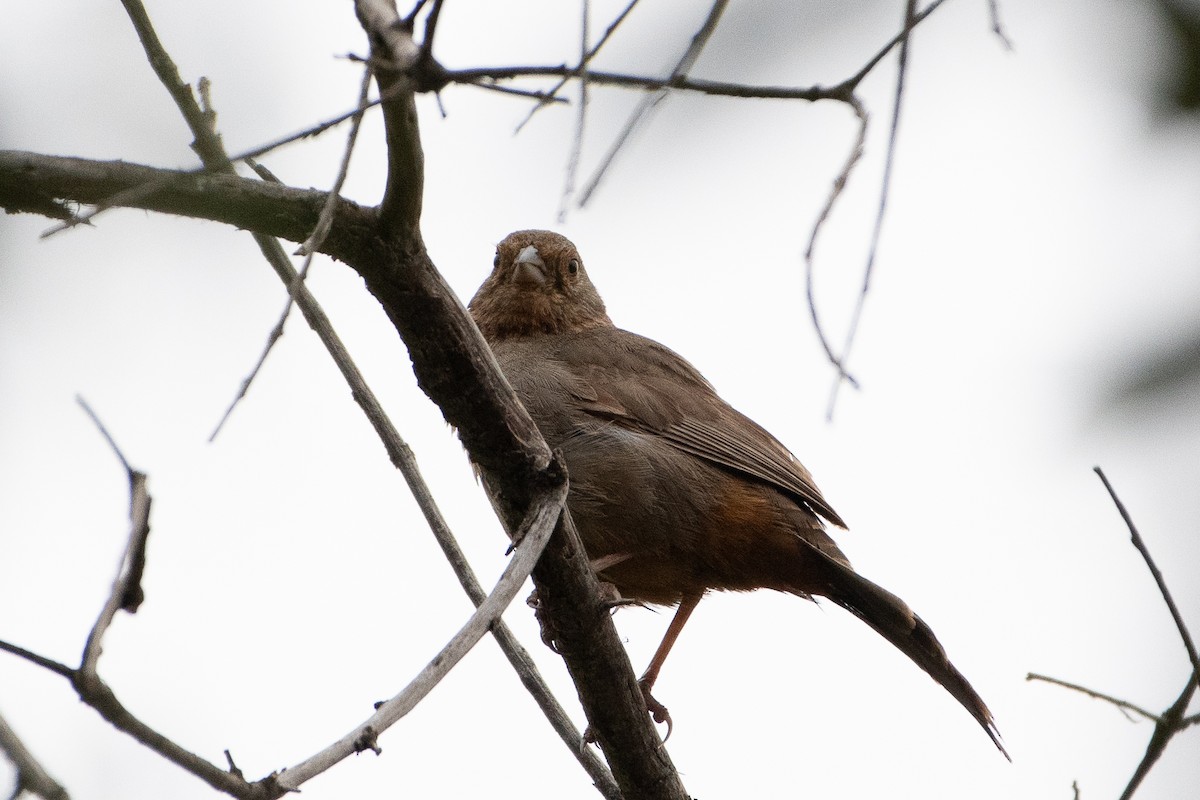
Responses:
[665,396]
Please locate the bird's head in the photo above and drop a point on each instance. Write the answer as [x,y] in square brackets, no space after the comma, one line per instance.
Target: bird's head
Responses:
[538,286]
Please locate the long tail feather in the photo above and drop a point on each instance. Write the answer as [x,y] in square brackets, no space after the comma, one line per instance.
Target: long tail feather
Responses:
[895,621]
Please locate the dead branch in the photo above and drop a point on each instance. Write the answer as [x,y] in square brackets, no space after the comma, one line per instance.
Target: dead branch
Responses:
[1124,705]
[531,538]
[651,100]
[31,775]
[885,184]
[1172,721]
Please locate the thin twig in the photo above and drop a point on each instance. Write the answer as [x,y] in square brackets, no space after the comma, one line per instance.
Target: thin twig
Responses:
[411,19]
[1171,721]
[542,97]
[1136,538]
[624,80]
[552,94]
[1124,705]
[431,22]
[135,193]
[309,248]
[31,775]
[126,592]
[997,26]
[650,101]
[131,594]
[1169,724]
[839,183]
[580,119]
[531,539]
[104,432]
[41,661]
[852,83]
[910,20]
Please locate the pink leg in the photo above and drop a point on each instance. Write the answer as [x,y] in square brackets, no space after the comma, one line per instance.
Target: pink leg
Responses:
[657,710]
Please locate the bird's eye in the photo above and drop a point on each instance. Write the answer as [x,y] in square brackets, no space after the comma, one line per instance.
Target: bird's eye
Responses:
[573,266]
[496,261]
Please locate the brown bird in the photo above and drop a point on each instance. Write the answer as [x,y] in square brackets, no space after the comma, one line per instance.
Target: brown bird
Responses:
[674,492]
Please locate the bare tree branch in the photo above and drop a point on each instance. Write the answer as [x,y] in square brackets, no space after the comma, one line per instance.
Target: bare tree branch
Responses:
[530,538]
[1124,705]
[552,94]
[1172,721]
[839,183]
[308,248]
[580,118]
[243,203]
[997,25]
[393,56]
[41,661]
[650,101]
[127,591]
[885,184]
[31,775]
[576,619]
[1140,544]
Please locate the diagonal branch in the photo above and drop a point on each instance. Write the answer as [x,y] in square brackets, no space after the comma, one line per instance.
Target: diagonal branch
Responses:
[650,101]
[835,191]
[1171,721]
[309,248]
[552,95]
[1140,544]
[1124,705]
[394,54]
[126,592]
[531,538]
[580,118]
[31,775]
[910,21]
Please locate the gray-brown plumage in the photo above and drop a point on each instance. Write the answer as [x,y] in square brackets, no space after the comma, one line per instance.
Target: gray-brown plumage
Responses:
[673,491]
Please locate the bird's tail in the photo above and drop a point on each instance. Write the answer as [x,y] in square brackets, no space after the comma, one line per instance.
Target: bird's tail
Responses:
[895,621]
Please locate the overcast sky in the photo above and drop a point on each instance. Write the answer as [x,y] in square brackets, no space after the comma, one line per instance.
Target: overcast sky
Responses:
[1040,249]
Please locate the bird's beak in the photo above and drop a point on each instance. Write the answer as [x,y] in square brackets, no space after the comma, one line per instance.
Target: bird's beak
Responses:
[530,269]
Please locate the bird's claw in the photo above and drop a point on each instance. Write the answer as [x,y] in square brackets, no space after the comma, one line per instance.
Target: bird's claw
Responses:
[547,630]
[658,712]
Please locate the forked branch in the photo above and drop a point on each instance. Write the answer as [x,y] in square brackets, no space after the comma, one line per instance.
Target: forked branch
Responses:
[1174,720]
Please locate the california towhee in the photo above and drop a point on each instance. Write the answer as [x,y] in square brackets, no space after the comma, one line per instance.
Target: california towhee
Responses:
[674,493]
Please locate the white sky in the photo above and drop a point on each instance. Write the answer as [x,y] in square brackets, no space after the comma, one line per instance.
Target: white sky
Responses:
[1041,244]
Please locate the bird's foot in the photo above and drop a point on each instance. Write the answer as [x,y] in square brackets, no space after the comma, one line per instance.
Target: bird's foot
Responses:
[658,712]
[547,630]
